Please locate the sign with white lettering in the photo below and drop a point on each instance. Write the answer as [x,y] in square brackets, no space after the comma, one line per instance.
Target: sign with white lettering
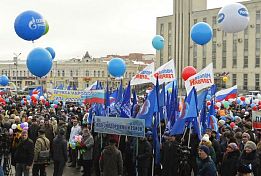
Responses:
[256,119]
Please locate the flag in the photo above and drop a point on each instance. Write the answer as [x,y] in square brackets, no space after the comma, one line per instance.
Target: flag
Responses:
[60,87]
[162,103]
[173,105]
[113,97]
[134,102]
[107,96]
[213,123]
[68,87]
[147,110]
[93,86]
[38,90]
[203,117]
[156,143]
[74,87]
[90,118]
[213,90]
[143,76]
[118,101]
[226,93]
[125,105]
[156,107]
[202,99]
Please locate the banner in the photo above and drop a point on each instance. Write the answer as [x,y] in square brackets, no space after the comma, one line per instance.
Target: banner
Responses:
[201,80]
[165,73]
[256,120]
[92,96]
[143,76]
[119,126]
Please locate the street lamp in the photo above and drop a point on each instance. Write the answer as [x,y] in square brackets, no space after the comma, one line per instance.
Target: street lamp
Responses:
[15,59]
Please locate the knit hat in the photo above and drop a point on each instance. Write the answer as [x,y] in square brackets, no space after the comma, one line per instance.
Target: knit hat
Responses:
[222,122]
[205,149]
[250,145]
[205,138]
[233,146]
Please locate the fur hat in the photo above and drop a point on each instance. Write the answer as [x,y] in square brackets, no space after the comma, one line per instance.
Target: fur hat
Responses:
[205,149]
[250,145]
[205,138]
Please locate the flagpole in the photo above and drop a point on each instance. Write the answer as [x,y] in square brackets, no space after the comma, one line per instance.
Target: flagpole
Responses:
[189,134]
[152,167]
[137,152]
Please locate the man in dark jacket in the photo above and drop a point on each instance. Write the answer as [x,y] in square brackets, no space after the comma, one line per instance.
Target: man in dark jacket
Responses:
[144,157]
[206,166]
[59,153]
[24,155]
[33,130]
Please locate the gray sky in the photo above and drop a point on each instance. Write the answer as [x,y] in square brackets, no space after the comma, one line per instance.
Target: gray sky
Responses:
[102,27]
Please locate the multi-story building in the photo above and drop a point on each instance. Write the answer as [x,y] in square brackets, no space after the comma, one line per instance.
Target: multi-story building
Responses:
[79,72]
[235,54]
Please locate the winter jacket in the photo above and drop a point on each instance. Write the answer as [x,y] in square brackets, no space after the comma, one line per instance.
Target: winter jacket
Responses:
[111,163]
[33,132]
[88,147]
[249,163]
[206,167]
[24,153]
[229,164]
[41,144]
[144,154]
[60,149]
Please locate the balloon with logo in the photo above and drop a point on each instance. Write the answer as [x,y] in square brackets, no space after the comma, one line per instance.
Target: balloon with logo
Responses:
[4,80]
[158,42]
[233,18]
[201,33]
[29,25]
[51,51]
[39,62]
[116,67]
[225,78]
[188,72]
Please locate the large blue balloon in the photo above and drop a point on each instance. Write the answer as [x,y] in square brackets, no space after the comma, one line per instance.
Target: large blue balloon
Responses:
[201,33]
[39,62]
[51,51]
[4,80]
[158,42]
[116,67]
[29,25]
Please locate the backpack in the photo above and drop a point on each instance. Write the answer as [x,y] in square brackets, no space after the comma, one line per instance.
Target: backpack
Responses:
[44,155]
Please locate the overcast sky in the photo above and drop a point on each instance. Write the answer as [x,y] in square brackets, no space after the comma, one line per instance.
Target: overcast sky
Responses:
[102,27]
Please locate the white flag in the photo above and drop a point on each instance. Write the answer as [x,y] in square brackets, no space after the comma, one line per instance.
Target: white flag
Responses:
[143,76]
[201,80]
[165,73]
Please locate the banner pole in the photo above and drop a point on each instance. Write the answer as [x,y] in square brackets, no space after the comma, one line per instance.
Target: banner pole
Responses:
[137,152]
[189,134]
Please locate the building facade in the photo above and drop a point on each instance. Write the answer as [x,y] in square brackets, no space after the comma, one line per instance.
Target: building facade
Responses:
[79,72]
[234,54]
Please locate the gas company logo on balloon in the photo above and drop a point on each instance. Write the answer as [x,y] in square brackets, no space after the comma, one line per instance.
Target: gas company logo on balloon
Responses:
[35,22]
[243,12]
[221,17]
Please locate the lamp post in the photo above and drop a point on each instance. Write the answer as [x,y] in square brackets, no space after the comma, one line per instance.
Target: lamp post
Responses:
[15,59]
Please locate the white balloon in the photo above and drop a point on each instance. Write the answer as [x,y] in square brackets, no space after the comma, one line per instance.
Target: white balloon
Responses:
[247,101]
[233,17]
[218,104]
[25,124]
[259,96]
[14,126]
[11,132]
[256,101]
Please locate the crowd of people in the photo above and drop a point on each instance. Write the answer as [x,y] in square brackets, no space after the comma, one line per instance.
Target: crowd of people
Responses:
[39,135]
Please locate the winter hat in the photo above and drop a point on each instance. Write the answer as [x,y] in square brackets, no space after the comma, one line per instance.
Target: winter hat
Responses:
[205,138]
[246,134]
[250,145]
[222,122]
[205,149]
[232,125]
[233,146]
[237,118]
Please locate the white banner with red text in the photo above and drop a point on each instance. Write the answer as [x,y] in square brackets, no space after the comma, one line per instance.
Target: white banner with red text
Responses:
[143,76]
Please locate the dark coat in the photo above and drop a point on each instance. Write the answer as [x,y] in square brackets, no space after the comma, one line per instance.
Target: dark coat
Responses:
[49,134]
[249,163]
[144,154]
[60,149]
[24,153]
[229,164]
[170,158]
[33,132]
[111,163]
[207,167]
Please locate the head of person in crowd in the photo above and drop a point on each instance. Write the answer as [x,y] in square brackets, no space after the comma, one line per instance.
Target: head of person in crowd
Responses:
[258,146]
[248,126]
[46,121]
[245,137]
[221,123]
[17,119]
[172,138]
[61,132]
[29,120]
[166,135]
[41,131]
[24,135]
[149,135]
[63,112]
[75,122]
[205,140]
[250,147]
[79,110]
[211,133]
[231,147]
[34,121]
[41,122]
[203,152]
[238,120]
[86,131]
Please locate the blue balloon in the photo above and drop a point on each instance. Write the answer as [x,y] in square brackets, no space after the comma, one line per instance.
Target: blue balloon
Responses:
[201,33]
[22,102]
[55,102]
[52,105]
[29,25]
[158,42]
[7,100]
[39,62]
[252,105]
[28,97]
[4,80]
[238,101]
[116,67]
[208,97]
[51,51]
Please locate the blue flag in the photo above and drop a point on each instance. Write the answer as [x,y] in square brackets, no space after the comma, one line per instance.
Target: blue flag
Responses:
[118,101]
[134,102]
[89,120]
[38,90]
[107,96]
[156,143]
[202,99]
[173,105]
[156,107]
[74,87]
[125,105]
[69,87]
[147,110]
[60,87]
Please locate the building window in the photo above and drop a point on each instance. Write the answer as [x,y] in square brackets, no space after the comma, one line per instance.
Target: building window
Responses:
[169,28]
[24,73]
[257,52]
[245,79]
[257,84]
[21,73]
[161,29]
[224,34]
[77,72]
[195,21]
[205,20]
[258,17]
[214,52]
[234,79]
[204,59]
[99,74]
[195,55]
[102,73]
[234,60]
[245,62]
[87,73]
[161,57]
[214,20]
[245,47]
[214,33]
[58,73]
[224,53]
[257,28]
[246,32]
[94,73]
[71,73]
[257,61]
[63,73]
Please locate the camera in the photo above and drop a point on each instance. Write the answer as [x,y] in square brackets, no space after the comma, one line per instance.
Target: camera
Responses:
[4,143]
[184,167]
